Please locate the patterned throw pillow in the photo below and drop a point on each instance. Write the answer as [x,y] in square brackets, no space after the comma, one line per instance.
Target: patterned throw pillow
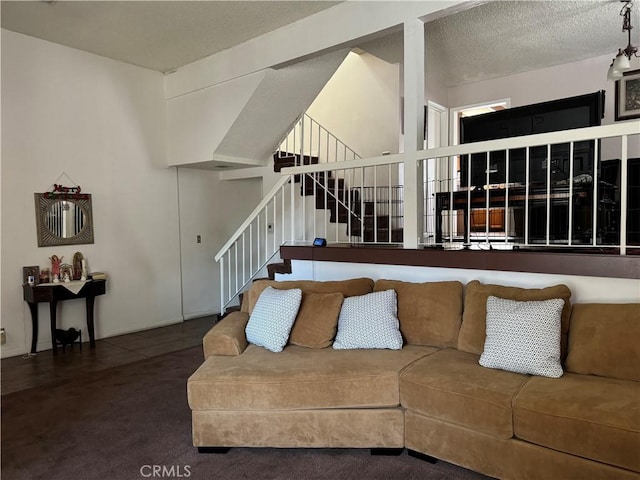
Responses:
[523,337]
[272,318]
[369,321]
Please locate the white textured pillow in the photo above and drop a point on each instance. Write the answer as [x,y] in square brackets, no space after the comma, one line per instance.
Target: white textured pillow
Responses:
[369,321]
[523,337]
[272,318]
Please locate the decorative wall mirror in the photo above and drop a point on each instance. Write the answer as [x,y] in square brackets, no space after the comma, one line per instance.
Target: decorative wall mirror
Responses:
[63,217]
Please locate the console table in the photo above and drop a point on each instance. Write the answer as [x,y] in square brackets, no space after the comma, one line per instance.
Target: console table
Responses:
[52,294]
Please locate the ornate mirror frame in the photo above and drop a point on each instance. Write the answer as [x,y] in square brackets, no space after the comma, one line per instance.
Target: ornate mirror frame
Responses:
[46,238]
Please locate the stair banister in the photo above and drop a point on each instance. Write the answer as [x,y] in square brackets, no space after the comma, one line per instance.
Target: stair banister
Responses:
[256,211]
[346,165]
[240,234]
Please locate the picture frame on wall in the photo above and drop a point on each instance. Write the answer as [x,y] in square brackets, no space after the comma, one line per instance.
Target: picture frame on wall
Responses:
[628,96]
[31,275]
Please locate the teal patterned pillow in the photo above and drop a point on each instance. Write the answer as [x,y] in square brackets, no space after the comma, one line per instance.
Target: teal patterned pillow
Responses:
[369,321]
[272,318]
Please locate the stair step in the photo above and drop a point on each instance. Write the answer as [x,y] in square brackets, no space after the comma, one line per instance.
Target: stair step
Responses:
[285,159]
[340,214]
[311,187]
[331,200]
[283,267]
[343,217]
[369,207]
[280,162]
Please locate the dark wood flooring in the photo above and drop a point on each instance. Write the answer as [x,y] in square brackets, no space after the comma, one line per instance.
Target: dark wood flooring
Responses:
[20,373]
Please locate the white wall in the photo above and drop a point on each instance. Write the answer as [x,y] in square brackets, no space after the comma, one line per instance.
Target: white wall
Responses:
[360,105]
[212,209]
[583,289]
[199,121]
[103,123]
[552,83]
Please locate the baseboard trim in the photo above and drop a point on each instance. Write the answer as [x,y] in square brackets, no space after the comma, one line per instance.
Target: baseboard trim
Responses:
[193,316]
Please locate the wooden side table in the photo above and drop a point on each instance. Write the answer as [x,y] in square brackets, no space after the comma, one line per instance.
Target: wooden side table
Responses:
[34,294]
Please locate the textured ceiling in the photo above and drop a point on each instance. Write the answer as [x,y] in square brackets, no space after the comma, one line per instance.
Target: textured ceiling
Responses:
[504,37]
[494,38]
[500,38]
[160,35]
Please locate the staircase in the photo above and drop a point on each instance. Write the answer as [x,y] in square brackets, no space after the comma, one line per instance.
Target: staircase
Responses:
[382,206]
[286,214]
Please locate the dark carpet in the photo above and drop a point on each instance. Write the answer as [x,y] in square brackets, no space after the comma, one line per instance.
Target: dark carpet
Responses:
[133,422]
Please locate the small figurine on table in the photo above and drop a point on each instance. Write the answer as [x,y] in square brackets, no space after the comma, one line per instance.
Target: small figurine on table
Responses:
[66,272]
[85,272]
[55,267]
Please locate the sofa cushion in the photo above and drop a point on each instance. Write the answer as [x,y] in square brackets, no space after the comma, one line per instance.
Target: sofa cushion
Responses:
[272,318]
[523,337]
[317,320]
[473,329]
[450,385]
[227,337]
[348,288]
[369,321]
[301,378]
[430,313]
[584,415]
[605,340]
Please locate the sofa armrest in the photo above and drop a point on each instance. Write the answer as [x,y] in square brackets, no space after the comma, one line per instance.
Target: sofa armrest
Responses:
[227,337]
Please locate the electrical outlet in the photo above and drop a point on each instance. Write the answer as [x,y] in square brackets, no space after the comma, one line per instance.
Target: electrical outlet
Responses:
[198,239]
[270,227]
[3,336]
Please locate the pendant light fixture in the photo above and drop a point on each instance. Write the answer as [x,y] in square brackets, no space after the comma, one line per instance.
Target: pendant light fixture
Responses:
[622,62]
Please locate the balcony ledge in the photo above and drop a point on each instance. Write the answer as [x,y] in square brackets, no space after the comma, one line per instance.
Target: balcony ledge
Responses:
[592,263]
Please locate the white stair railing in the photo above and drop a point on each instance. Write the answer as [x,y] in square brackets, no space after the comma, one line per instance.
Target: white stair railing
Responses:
[308,138]
[559,189]
[487,220]
[284,216]
[280,217]
[255,242]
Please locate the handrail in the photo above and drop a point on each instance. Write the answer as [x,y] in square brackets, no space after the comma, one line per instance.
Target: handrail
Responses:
[564,136]
[346,165]
[252,216]
[299,127]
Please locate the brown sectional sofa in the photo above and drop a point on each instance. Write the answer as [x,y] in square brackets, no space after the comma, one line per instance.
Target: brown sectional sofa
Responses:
[432,396]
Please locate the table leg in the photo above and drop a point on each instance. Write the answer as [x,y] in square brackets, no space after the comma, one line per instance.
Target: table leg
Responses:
[90,302]
[53,308]
[33,307]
